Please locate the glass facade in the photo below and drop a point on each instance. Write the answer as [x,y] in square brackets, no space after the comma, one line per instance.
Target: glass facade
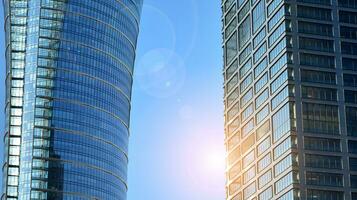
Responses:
[295,122]
[69,69]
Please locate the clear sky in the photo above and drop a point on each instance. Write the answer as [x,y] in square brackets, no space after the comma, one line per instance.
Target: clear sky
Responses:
[177,140]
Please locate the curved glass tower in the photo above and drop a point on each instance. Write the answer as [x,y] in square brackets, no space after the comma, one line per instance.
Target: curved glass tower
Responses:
[69,76]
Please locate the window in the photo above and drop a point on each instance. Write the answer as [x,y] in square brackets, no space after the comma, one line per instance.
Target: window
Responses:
[231,69]
[232,83]
[322,144]
[314,13]
[231,27]
[353,181]
[235,186]
[324,194]
[276,18]
[258,15]
[284,164]
[238,196]
[262,114]
[16,101]
[316,44]
[353,164]
[288,143]
[348,32]
[228,3]
[264,179]
[245,54]
[246,82]
[291,195]
[318,77]
[349,48]
[259,38]
[245,68]
[240,3]
[260,52]
[351,121]
[282,122]
[326,162]
[280,47]
[281,96]
[284,182]
[266,194]
[263,146]
[233,141]
[14,171]
[232,97]
[248,159]
[17,92]
[261,67]
[249,191]
[232,126]
[325,94]
[247,112]
[324,179]
[246,98]
[263,129]
[248,143]
[318,2]
[352,146]
[261,98]
[264,162]
[350,80]
[348,17]
[317,60]
[349,64]
[13,180]
[320,118]
[12,191]
[284,26]
[261,83]
[247,128]
[286,58]
[354,196]
[14,150]
[347,3]
[232,112]
[351,96]
[14,160]
[244,11]
[249,175]
[231,48]
[280,80]
[235,170]
[234,156]
[315,28]
[273,6]
[244,32]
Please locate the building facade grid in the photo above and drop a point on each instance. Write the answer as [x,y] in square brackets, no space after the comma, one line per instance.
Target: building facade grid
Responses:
[290,98]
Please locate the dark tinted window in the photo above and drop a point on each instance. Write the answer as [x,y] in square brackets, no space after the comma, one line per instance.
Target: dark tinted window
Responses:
[314,13]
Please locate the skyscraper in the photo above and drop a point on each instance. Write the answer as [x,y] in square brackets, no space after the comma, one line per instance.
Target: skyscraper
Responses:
[69,67]
[290,71]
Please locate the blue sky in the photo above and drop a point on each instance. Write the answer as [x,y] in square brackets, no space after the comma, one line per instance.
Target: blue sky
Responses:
[177,140]
[177,114]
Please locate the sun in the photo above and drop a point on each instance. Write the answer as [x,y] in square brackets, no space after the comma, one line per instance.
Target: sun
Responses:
[214,160]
